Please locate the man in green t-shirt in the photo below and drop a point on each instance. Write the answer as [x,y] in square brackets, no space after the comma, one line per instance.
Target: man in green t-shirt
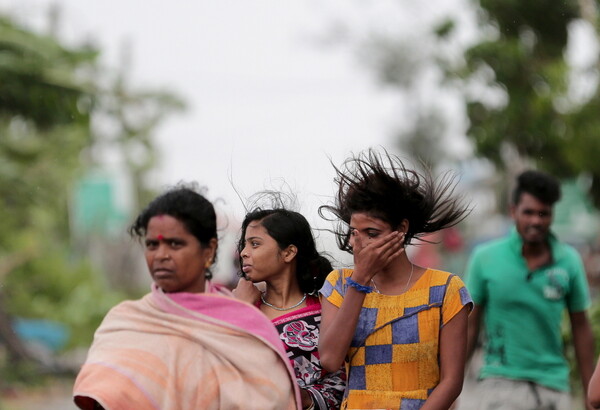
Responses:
[521,285]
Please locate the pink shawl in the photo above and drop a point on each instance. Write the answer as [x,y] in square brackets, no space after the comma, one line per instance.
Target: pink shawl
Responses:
[183,351]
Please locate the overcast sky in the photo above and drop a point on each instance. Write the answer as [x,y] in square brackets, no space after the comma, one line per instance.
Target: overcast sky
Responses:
[269,98]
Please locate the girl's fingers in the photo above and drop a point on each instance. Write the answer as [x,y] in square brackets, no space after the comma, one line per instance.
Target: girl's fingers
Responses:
[357,247]
[380,251]
[392,242]
[394,238]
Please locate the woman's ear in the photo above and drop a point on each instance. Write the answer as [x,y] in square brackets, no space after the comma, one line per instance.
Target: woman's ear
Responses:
[404,225]
[211,248]
[290,253]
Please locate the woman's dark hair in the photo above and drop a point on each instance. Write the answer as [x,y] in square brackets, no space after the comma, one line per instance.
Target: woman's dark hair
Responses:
[291,228]
[380,185]
[543,186]
[185,204]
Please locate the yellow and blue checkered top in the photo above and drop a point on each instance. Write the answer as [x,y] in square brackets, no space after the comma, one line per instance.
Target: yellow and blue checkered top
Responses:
[393,357]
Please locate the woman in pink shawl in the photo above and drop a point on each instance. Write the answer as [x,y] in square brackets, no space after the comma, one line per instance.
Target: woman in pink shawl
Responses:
[179,346]
[277,247]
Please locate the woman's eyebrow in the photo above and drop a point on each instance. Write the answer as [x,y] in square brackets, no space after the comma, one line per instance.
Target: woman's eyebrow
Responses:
[160,237]
[368,229]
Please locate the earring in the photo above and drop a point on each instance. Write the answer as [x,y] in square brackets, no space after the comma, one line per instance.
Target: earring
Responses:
[208,263]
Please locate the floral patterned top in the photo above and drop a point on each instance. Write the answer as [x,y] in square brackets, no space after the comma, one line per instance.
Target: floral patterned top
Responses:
[299,331]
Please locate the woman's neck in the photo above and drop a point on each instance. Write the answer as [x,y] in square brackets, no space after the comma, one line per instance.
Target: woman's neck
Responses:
[397,277]
[283,290]
[398,268]
[282,296]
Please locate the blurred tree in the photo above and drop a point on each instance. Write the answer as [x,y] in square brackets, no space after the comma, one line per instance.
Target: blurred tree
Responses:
[526,104]
[404,44]
[45,110]
[34,66]
[132,116]
[535,118]
[127,120]
[51,97]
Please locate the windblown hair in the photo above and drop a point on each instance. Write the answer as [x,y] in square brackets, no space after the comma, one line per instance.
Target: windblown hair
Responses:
[291,228]
[544,187]
[381,186]
[184,203]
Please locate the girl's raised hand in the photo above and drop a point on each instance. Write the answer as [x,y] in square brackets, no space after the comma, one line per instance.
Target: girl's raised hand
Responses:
[246,291]
[370,258]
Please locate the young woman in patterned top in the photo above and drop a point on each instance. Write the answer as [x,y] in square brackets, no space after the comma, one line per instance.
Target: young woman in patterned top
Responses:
[401,328]
[277,247]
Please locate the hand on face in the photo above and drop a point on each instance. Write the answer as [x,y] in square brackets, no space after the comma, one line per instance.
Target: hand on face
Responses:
[375,255]
[246,291]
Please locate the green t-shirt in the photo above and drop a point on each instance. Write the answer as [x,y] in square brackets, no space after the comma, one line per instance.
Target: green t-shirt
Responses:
[523,310]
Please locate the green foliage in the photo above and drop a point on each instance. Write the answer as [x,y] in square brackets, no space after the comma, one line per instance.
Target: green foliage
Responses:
[445,28]
[39,79]
[528,65]
[524,50]
[45,110]
[547,19]
[35,173]
[49,94]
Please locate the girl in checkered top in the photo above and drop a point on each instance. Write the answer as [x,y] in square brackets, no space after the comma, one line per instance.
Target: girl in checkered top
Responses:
[400,328]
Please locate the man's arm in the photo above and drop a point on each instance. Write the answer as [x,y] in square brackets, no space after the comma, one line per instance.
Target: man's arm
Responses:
[593,394]
[583,341]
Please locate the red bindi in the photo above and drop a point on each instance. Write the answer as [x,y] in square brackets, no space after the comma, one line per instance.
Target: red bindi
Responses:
[160,237]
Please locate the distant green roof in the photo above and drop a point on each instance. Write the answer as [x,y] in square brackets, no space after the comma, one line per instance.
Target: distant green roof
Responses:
[93,207]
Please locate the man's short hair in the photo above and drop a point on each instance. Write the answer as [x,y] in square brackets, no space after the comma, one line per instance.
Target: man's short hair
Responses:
[544,187]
